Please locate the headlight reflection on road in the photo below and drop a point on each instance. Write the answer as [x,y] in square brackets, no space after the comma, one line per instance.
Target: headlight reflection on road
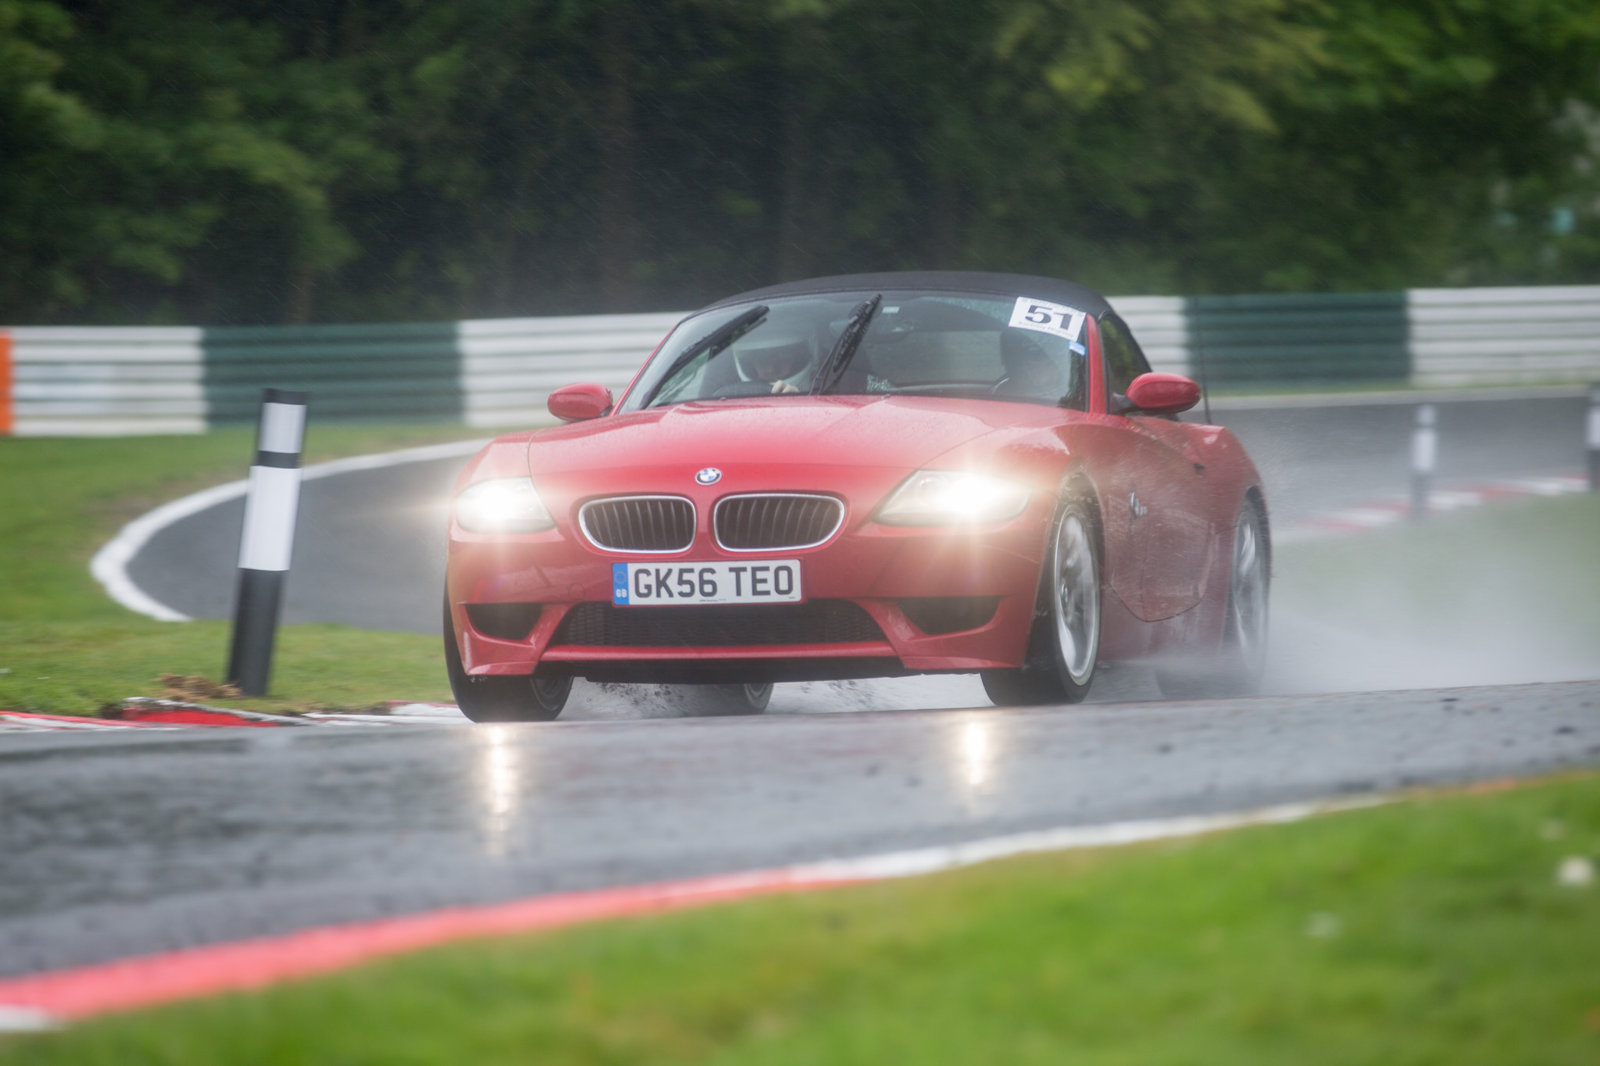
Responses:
[975,747]
[500,773]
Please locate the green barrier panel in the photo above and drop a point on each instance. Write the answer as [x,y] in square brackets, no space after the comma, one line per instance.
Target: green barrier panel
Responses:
[1312,339]
[363,371]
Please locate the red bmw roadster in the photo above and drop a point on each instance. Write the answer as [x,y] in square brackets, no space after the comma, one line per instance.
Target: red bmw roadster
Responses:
[863,476]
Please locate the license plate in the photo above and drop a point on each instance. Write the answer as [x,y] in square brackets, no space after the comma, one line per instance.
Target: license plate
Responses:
[660,584]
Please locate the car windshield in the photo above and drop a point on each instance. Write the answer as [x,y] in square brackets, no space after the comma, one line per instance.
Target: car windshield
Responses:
[1012,348]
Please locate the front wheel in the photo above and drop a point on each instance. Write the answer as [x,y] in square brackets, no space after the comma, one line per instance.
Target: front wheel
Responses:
[1065,644]
[737,699]
[1021,688]
[517,698]
[1075,600]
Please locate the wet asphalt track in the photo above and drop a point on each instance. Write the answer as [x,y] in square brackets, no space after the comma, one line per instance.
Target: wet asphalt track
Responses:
[115,845]
[128,845]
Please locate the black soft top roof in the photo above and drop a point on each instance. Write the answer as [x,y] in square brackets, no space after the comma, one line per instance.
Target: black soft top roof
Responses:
[1051,289]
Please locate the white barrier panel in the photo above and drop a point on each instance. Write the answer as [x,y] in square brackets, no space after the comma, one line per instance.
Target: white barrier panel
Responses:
[112,381]
[509,366]
[1161,326]
[1504,336]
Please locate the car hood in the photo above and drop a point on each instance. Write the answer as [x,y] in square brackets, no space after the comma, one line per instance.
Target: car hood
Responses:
[901,432]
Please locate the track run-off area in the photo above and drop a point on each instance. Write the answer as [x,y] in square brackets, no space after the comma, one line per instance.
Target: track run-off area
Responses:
[144,848]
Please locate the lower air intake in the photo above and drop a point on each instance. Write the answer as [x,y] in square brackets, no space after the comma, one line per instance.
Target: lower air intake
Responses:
[504,621]
[730,626]
[935,615]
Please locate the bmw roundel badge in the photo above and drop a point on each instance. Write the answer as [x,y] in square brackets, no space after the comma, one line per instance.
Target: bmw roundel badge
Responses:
[709,476]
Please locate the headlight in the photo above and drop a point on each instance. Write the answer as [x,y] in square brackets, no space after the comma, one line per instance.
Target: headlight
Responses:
[950,497]
[502,505]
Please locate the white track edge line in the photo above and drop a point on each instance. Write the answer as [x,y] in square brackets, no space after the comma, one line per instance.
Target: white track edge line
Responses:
[26,1020]
[110,564]
[920,861]
[917,862]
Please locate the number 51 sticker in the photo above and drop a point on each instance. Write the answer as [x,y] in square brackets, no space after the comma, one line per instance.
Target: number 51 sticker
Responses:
[1046,317]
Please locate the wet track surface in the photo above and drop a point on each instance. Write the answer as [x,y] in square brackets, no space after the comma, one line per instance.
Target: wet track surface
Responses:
[117,845]
[133,844]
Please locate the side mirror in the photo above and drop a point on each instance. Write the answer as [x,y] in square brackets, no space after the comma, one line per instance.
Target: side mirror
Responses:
[1163,394]
[575,403]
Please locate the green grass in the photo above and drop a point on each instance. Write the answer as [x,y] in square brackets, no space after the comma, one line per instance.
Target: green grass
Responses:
[66,648]
[1430,932]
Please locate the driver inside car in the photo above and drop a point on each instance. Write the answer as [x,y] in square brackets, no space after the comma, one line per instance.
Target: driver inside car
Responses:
[782,361]
[1030,372]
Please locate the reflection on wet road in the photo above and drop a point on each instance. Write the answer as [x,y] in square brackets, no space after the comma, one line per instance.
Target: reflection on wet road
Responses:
[130,844]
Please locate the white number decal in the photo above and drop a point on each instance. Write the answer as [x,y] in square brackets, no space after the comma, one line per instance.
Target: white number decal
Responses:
[1046,317]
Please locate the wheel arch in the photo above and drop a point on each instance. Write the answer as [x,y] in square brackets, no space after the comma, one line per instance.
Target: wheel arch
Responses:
[1073,483]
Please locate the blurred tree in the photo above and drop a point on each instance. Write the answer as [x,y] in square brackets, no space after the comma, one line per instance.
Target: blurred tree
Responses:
[181,167]
[289,160]
[1435,146]
[45,133]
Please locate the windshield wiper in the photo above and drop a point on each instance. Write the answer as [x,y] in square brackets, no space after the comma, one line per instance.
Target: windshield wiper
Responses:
[844,348]
[716,340]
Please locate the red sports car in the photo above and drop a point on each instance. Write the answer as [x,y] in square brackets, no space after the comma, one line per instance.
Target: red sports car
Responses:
[863,476]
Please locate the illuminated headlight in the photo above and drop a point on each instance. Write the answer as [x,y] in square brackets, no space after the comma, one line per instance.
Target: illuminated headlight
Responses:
[502,505]
[950,497]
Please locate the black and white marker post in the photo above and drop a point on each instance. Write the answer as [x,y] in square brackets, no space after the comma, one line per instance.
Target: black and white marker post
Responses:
[1424,450]
[1594,438]
[268,537]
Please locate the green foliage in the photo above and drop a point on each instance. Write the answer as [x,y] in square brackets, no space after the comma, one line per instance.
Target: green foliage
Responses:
[256,161]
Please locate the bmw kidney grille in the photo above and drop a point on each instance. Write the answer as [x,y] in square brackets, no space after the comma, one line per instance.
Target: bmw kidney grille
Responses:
[639,523]
[776,521]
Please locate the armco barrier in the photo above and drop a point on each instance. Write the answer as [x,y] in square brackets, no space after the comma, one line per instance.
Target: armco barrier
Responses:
[1318,339]
[1162,326]
[498,372]
[373,371]
[106,381]
[510,365]
[1505,336]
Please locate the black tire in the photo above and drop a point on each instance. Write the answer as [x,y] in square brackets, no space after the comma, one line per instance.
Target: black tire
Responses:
[1021,688]
[1242,655]
[535,698]
[737,699]
[1064,645]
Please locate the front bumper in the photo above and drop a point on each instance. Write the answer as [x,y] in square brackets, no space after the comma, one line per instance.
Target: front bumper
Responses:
[891,575]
